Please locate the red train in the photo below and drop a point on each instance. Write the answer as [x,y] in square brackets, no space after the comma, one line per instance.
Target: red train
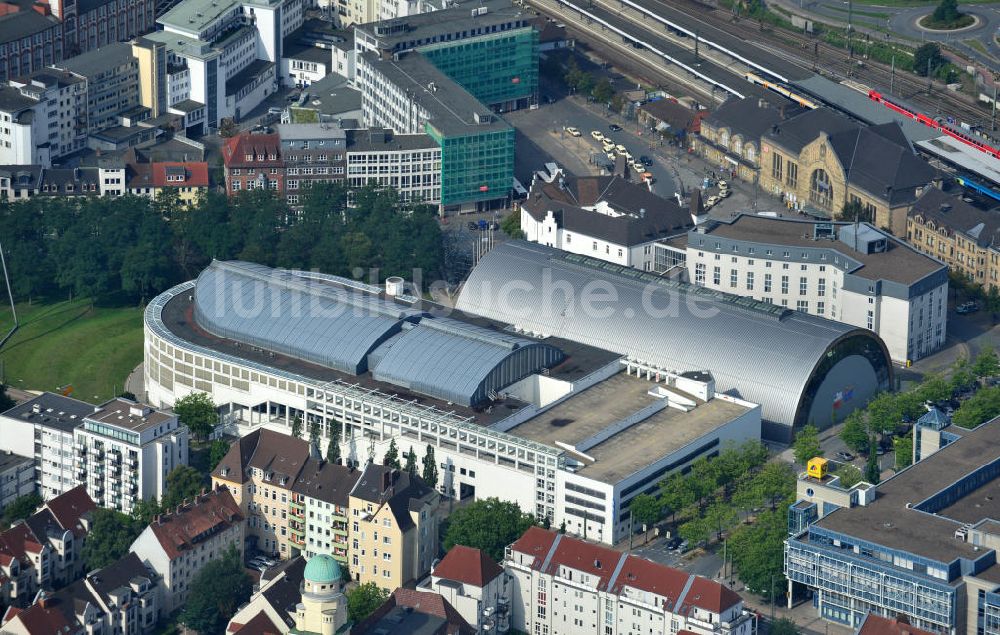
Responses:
[965,137]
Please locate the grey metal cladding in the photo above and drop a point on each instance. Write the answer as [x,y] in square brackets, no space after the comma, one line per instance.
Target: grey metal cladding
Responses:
[293,314]
[764,355]
[458,362]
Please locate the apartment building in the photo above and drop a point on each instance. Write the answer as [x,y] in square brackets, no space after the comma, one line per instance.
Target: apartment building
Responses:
[565,586]
[409,163]
[177,544]
[472,582]
[125,450]
[224,55]
[854,274]
[61,109]
[17,478]
[44,551]
[31,38]
[260,471]
[91,25]
[319,509]
[312,153]
[920,546]
[253,161]
[42,428]
[604,217]
[121,598]
[21,132]
[106,179]
[410,611]
[19,181]
[394,527]
[111,74]
[959,234]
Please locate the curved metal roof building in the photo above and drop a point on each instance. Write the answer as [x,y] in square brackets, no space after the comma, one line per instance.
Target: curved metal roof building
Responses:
[800,368]
[352,328]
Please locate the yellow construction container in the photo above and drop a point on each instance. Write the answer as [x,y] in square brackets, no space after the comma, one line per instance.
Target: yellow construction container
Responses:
[817,467]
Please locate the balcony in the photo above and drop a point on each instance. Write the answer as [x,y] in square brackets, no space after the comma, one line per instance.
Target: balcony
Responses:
[297,531]
[295,540]
[297,504]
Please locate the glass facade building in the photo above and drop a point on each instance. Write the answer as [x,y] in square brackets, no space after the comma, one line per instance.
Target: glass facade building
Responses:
[475,167]
[499,69]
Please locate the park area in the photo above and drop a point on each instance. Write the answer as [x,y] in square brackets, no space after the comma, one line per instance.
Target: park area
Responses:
[91,348]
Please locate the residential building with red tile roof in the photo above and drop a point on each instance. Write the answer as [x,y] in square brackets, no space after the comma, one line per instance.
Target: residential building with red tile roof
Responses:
[560,580]
[877,625]
[416,612]
[253,161]
[176,545]
[189,179]
[472,582]
[43,551]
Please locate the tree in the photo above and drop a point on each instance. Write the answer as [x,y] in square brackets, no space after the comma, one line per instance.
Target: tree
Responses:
[927,57]
[885,413]
[873,473]
[216,592]
[849,475]
[430,473]
[855,432]
[411,462]
[314,432]
[946,12]
[783,626]
[934,388]
[197,411]
[488,524]
[333,445]
[511,225]
[217,452]
[297,427]
[758,552]
[903,447]
[391,459]
[986,365]
[110,536]
[854,212]
[645,510]
[979,408]
[806,445]
[774,483]
[21,508]
[603,91]
[363,599]
[6,403]
[183,482]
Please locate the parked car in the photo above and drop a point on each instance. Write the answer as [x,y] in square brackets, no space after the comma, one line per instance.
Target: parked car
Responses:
[967,307]
[615,128]
[845,456]
[571,131]
[673,543]
[472,225]
[724,193]
[712,200]
[597,135]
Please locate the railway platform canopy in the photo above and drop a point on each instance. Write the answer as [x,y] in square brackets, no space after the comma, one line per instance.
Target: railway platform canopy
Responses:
[859,106]
[963,157]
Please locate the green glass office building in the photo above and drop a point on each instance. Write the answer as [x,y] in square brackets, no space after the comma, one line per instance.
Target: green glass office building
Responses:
[499,69]
[475,167]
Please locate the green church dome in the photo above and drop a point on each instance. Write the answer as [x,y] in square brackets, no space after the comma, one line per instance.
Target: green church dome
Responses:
[322,569]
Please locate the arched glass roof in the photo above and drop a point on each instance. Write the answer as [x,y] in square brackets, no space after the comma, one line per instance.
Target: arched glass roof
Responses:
[290,313]
[765,353]
[459,362]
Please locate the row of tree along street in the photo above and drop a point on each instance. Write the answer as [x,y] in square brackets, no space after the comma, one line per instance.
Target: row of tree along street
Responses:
[133,248]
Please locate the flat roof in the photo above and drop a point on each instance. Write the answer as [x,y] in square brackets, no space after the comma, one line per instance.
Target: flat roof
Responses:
[580,361]
[54,411]
[583,415]
[9,460]
[369,140]
[901,263]
[452,109]
[118,413]
[889,521]
[99,60]
[242,78]
[195,15]
[454,19]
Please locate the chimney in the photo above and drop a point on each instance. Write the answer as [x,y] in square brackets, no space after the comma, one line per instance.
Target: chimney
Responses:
[387,479]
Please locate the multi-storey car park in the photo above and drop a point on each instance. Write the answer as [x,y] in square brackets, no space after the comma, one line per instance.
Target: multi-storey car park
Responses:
[550,423]
[922,544]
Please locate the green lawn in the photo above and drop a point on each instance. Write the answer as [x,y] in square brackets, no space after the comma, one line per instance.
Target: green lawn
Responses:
[869,14]
[92,348]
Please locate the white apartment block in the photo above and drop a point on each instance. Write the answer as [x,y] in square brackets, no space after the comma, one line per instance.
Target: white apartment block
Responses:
[858,275]
[22,129]
[388,103]
[225,54]
[126,450]
[62,100]
[178,544]
[603,217]
[410,163]
[565,586]
[17,478]
[42,429]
